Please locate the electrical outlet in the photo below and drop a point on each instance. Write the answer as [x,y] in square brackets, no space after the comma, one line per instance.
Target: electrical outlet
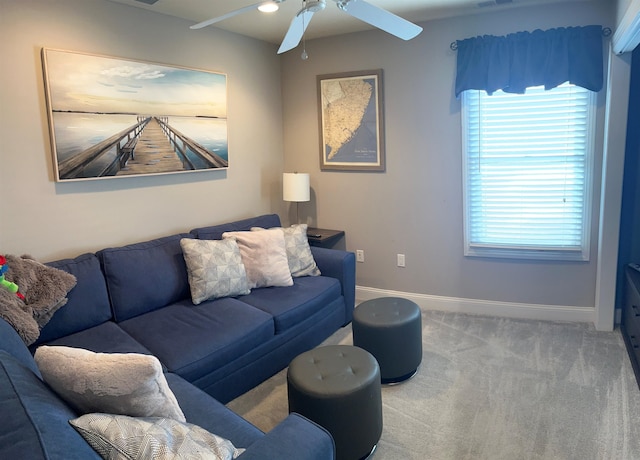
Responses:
[359,255]
[401,260]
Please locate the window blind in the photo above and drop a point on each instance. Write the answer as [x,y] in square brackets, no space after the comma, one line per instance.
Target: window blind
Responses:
[527,172]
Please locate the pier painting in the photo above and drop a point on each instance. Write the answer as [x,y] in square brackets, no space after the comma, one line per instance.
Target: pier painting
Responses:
[112,117]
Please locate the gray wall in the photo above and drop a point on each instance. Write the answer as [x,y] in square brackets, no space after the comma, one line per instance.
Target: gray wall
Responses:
[415,207]
[621,8]
[50,220]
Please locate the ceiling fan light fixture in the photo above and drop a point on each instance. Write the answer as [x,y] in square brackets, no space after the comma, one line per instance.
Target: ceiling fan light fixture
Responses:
[314,5]
[268,7]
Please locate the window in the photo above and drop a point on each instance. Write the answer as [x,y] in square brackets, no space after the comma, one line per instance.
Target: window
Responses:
[527,161]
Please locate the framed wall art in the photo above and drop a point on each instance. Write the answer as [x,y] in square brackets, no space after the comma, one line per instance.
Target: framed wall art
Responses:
[351,121]
[114,117]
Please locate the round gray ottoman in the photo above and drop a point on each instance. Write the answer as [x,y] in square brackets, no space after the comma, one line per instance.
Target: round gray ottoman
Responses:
[338,387]
[390,328]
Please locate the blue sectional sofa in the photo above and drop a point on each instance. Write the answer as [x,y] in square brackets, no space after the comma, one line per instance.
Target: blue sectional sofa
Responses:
[136,298]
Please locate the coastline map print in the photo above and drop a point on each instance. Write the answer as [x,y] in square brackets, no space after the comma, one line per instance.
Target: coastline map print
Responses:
[113,117]
[351,121]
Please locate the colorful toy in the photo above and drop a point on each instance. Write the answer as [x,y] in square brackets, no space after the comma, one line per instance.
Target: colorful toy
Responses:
[11,287]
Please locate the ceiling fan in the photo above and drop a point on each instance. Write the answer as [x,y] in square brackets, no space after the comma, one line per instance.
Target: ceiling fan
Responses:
[359,9]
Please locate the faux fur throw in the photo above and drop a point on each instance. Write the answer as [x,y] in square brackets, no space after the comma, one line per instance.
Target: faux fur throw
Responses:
[45,290]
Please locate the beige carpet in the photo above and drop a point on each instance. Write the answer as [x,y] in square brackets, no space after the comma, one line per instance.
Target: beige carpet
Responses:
[494,389]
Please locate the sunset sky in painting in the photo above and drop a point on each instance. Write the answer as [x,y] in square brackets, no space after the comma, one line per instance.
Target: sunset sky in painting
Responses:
[87,83]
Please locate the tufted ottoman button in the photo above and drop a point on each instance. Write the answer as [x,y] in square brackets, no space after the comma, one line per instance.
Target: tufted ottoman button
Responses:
[390,328]
[338,387]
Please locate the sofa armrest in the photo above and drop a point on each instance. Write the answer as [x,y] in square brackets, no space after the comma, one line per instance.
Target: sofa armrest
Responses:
[295,437]
[342,266]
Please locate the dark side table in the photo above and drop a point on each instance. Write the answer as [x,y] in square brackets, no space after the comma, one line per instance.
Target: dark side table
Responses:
[323,237]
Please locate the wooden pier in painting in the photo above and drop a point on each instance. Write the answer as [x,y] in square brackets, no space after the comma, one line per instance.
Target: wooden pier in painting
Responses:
[152,153]
[151,146]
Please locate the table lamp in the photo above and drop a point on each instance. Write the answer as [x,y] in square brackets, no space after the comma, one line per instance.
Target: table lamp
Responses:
[295,188]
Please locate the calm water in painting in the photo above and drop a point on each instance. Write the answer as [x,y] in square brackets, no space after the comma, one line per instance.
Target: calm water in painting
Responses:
[75,132]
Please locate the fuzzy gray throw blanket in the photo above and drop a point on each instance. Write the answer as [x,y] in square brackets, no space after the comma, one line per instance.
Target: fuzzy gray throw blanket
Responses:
[45,290]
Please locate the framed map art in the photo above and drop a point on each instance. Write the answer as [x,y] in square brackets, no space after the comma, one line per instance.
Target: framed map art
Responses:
[351,121]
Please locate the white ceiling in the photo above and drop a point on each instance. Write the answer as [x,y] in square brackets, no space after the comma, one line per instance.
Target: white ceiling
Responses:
[272,27]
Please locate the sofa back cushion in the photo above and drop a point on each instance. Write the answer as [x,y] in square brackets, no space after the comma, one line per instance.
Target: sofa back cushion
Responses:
[215,232]
[35,422]
[11,342]
[146,276]
[88,302]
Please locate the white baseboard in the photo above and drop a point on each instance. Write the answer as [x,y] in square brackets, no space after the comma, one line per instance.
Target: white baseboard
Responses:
[485,307]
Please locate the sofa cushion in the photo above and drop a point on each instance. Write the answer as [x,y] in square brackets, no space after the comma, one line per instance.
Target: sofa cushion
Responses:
[105,338]
[145,276]
[90,291]
[13,344]
[117,383]
[264,257]
[142,438]
[201,409]
[254,367]
[34,419]
[194,340]
[214,232]
[291,305]
[215,269]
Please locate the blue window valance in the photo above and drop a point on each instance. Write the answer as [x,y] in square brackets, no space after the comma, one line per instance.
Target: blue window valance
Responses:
[523,59]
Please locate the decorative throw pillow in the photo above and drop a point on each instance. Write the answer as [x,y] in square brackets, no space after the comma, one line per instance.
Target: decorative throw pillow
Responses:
[15,312]
[44,288]
[214,268]
[264,257]
[118,383]
[122,437]
[299,257]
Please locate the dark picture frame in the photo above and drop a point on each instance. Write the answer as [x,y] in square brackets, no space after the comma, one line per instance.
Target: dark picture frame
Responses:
[351,121]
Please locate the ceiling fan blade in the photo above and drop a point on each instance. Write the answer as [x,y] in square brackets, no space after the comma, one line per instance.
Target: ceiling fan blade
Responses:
[231,14]
[296,30]
[382,19]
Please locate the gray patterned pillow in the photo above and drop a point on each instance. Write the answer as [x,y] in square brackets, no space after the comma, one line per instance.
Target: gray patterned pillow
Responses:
[299,257]
[119,383]
[121,437]
[215,269]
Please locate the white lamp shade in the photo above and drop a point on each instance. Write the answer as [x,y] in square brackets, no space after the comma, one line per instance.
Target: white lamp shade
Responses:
[295,187]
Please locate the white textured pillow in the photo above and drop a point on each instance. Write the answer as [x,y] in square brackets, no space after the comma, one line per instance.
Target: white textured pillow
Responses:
[264,257]
[299,257]
[118,383]
[215,269]
[121,437]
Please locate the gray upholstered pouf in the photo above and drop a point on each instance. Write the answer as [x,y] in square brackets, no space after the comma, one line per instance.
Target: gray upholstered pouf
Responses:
[338,387]
[390,328]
